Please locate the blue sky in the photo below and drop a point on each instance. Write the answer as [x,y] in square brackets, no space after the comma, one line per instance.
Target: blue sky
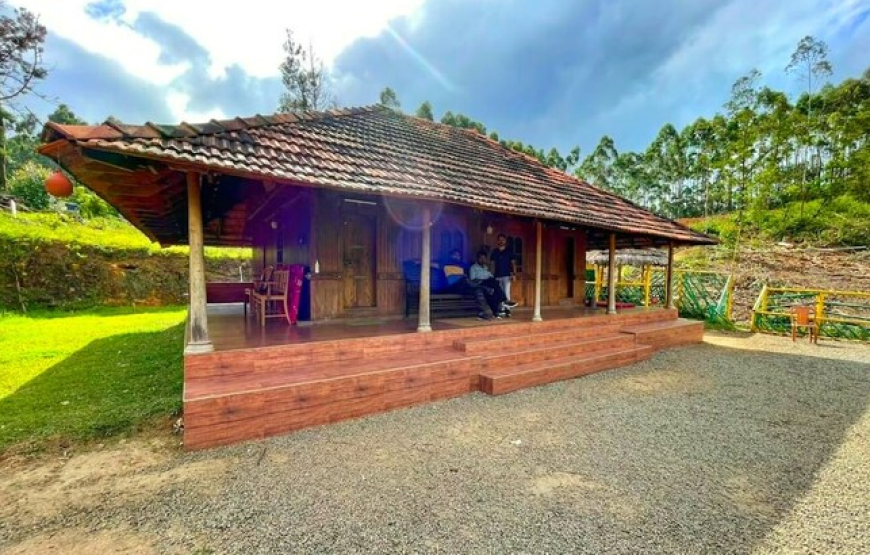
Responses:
[549,72]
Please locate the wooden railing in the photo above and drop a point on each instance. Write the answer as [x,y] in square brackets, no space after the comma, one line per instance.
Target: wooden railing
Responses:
[840,314]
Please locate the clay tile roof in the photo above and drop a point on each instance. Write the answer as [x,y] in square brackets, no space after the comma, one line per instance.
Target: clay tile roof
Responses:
[379,151]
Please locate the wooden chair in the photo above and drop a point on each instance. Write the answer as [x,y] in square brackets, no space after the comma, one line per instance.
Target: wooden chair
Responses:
[269,297]
[804,317]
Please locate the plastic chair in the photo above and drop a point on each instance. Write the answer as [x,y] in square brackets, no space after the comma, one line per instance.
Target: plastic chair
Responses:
[804,317]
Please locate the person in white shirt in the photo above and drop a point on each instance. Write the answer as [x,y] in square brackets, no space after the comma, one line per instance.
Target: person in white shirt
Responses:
[479,274]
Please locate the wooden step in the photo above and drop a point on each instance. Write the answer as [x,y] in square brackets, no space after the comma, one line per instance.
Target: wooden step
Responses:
[293,374]
[664,334]
[255,406]
[506,380]
[487,345]
[555,350]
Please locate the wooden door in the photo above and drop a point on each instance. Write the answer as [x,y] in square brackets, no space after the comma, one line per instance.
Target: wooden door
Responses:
[359,260]
[570,252]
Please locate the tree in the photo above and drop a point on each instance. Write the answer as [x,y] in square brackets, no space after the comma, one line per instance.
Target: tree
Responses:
[304,77]
[425,111]
[65,116]
[597,168]
[390,100]
[810,63]
[21,47]
[463,122]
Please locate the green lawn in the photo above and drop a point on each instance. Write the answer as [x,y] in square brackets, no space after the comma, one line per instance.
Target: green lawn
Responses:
[87,374]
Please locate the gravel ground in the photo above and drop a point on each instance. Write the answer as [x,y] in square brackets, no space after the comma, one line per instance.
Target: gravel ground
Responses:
[745,444]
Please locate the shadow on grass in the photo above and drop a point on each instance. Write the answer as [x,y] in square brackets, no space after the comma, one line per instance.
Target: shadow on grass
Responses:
[107,387]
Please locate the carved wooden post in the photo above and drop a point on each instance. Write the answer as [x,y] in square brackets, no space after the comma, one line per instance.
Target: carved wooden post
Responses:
[669,278]
[611,276]
[539,257]
[423,324]
[198,340]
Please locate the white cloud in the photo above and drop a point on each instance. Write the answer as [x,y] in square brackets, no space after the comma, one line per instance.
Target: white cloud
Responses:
[138,55]
[249,34]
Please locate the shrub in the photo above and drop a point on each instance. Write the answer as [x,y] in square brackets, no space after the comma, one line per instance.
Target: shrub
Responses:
[27,184]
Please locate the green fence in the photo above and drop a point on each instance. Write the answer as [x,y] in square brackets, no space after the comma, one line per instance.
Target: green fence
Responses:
[838,314]
[697,294]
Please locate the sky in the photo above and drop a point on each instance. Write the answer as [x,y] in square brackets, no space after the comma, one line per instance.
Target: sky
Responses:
[548,72]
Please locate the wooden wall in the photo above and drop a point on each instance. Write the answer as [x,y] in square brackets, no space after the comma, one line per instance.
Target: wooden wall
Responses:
[310,230]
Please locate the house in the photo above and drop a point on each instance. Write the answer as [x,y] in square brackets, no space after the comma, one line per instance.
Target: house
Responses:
[353,194]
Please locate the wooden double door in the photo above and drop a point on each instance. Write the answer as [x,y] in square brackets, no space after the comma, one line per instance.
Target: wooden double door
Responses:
[358,242]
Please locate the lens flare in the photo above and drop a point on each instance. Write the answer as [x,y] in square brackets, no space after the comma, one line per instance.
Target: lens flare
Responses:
[421,60]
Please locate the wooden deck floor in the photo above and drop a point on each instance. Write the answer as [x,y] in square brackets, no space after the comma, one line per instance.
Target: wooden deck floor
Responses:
[230,330]
[262,382]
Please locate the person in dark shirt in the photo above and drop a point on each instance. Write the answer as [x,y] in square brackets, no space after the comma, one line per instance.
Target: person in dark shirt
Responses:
[504,267]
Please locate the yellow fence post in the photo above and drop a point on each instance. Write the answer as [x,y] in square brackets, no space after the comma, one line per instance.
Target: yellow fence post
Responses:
[760,304]
[598,278]
[647,284]
[729,304]
[820,312]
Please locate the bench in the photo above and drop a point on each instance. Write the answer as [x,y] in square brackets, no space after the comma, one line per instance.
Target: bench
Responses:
[443,304]
[440,302]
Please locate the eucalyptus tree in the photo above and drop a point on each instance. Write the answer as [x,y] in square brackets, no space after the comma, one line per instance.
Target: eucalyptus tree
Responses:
[598,167]
[389,99]
[305,78]
[425,111]
[809,63]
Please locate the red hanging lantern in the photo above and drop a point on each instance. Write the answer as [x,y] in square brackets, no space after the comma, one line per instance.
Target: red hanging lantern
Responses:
[59,185]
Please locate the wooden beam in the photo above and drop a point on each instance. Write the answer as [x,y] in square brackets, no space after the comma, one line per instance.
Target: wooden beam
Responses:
[198,338]
[611,276]
[669,278]
[539,268]
[423,323]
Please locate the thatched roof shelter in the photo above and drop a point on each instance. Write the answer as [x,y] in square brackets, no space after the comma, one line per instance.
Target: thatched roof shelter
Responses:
[630,257]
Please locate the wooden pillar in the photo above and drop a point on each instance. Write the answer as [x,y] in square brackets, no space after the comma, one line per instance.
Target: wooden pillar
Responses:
[669,278]
[198,339]
[423,323]
[539,264]
[611,276]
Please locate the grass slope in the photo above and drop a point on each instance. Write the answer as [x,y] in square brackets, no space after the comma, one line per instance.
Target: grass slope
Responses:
[842,221]
[89,374]
[106,233]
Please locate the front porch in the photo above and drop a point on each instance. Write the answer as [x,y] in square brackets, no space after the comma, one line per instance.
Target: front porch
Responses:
[267,381]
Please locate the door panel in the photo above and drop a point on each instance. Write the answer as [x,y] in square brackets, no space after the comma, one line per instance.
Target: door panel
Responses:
[359,260]
[570,251]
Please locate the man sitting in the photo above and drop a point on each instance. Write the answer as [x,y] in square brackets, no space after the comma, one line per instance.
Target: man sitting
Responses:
[479,274]
[458,282]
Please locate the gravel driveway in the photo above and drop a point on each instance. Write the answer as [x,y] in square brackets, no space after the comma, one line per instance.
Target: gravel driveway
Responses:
[745,444]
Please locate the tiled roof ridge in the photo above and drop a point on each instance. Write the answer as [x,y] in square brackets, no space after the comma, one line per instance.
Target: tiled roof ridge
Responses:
[214,127]
[115,129]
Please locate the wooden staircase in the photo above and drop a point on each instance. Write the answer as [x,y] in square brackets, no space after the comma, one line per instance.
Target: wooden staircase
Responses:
[255,393]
